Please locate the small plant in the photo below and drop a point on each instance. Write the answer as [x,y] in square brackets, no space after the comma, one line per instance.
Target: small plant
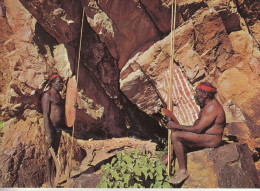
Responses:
[134,170]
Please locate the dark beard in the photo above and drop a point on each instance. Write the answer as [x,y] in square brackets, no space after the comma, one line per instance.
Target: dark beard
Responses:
[201,104]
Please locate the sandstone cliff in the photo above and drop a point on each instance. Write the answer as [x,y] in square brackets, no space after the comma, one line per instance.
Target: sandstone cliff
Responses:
[124,70]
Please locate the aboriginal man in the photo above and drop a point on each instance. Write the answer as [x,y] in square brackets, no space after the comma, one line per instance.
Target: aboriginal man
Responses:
[206,132]
[53,115]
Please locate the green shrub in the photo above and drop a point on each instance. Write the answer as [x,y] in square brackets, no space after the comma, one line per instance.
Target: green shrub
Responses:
[134,170]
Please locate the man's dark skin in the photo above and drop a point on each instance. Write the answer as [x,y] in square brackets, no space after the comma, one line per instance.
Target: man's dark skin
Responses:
[53,114]
[206,132]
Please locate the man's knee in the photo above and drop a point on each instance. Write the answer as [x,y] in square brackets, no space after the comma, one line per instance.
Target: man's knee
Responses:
[176,135]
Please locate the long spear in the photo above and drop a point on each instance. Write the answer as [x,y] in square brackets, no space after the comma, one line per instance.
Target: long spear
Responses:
[72,138]
[169,105]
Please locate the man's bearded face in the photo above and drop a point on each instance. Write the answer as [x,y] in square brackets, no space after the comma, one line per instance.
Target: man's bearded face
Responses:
[58,84]
[200,97]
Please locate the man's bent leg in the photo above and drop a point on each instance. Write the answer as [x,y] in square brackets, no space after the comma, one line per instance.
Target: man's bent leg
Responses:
[179,149]
[164,159]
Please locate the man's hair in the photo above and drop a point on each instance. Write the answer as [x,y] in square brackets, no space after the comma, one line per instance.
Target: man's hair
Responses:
[211,94]
[52,79]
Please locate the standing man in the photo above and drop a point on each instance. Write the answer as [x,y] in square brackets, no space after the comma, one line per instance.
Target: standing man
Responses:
[206,132]
[54,118]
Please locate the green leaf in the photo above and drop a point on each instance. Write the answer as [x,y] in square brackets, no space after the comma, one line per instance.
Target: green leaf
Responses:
[145,160]
[130,167]
[151,175]
[126,178]
[135,185]
[110,184]
[138,179]
[107,171]
[113,160]
[119,155]
[117,184]
[104,185]
[123,169]
[159,170]
[102,167]
[137,171]
[115,175]
[122,185]
[166,185]
[157,184]
[159,177]
[136,153]
[144,171]
[128,159]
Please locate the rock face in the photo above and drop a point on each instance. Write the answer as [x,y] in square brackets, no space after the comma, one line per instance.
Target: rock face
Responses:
[229,166]
[84,181]
[22,156]
[124,69]
[122,25]
[23,152]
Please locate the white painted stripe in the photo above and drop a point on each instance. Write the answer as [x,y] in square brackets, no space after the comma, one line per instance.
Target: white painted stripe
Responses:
[192,102]
[185,100]
[182,112]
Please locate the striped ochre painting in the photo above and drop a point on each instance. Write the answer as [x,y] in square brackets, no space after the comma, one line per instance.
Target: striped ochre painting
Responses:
[184,106]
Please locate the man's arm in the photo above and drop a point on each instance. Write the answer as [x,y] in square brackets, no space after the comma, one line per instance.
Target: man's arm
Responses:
[46,117]
[208,116]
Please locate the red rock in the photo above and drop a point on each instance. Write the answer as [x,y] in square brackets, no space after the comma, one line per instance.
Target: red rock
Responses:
[65,16]
[229,166]
[215,40]
[122,25]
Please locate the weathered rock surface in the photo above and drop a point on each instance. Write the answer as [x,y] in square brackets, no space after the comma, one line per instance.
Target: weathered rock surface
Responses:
[212,44]
[103,112]
[65,16]
[122,25]
[249,10]
[216,40]
[229,166]
[84,181]
[22,153]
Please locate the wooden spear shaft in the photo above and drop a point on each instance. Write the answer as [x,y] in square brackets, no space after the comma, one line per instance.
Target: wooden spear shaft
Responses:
[169,105]
[72,138]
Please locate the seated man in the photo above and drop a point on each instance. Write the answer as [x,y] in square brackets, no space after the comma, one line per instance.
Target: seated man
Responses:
[206,132]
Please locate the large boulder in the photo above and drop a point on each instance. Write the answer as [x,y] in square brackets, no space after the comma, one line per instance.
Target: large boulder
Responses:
[229,166]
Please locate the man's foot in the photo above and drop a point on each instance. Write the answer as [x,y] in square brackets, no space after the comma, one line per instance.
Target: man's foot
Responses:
[179,177]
